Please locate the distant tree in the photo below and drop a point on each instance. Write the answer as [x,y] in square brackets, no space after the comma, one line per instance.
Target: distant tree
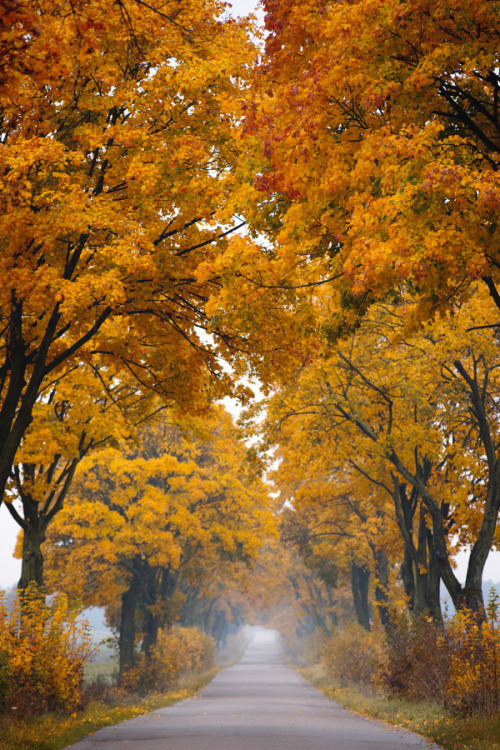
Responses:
[137,518]
[416,418]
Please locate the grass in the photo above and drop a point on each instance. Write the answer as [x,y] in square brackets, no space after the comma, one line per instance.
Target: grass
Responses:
[55,732]
[448,730]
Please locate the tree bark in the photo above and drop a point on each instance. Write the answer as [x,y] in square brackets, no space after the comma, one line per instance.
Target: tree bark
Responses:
[127,625]
[159,585]
[408,578]
[433,593]
[381,591]
[360,580]
[32,556]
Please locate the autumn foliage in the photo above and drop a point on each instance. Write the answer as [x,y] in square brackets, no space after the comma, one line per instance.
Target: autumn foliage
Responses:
[474,676]
[380,130]
[359,147]
[177,651]
[43,652]
[146,522]
[352,655]
[117,148]
[456,665]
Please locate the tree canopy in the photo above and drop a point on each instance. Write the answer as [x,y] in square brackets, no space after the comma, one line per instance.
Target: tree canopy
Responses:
[186,204]
[380,129]
[117,148]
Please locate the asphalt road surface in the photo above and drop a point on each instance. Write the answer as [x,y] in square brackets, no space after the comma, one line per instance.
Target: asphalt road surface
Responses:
[258,704]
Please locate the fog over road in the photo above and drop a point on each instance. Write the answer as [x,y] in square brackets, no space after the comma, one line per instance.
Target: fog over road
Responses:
[258,704]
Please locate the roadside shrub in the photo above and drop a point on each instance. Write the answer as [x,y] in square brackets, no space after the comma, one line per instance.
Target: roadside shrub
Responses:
[456,665]
[301,650]
[352,655]
[177,651]
[415,660]
[43,651]
[474,678]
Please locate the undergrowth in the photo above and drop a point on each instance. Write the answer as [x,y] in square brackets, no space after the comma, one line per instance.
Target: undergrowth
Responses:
[53,732]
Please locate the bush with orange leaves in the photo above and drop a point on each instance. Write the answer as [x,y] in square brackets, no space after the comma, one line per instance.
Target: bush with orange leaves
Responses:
[177,651]
[474,676]
[43,652]
[456,665]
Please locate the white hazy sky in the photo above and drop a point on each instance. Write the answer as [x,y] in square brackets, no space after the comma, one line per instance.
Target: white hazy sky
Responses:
[243,7]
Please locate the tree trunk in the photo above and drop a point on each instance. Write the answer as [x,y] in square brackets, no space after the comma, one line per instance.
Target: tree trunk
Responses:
[207,617]
[421,566]
[433,593]
[160,587]
[382,591]
[219,629]
[408,578]
[360,579]
[127,626]
[32,556]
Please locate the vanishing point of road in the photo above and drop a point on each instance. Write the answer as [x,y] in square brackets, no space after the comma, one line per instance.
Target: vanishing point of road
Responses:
[258,704]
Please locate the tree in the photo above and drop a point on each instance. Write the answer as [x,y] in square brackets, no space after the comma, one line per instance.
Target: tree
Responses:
[117,153]
[137,519]
[81,411]
[417,417]
[214,592]
[341,524]
[380,132]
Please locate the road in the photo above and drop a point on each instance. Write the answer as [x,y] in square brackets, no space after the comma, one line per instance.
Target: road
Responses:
[258,704]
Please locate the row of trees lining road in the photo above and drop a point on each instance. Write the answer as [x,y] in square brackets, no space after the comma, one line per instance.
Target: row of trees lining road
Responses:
[389,452]
[381,130]
[118,146]
[116,160]
[361,148]
[139,524]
